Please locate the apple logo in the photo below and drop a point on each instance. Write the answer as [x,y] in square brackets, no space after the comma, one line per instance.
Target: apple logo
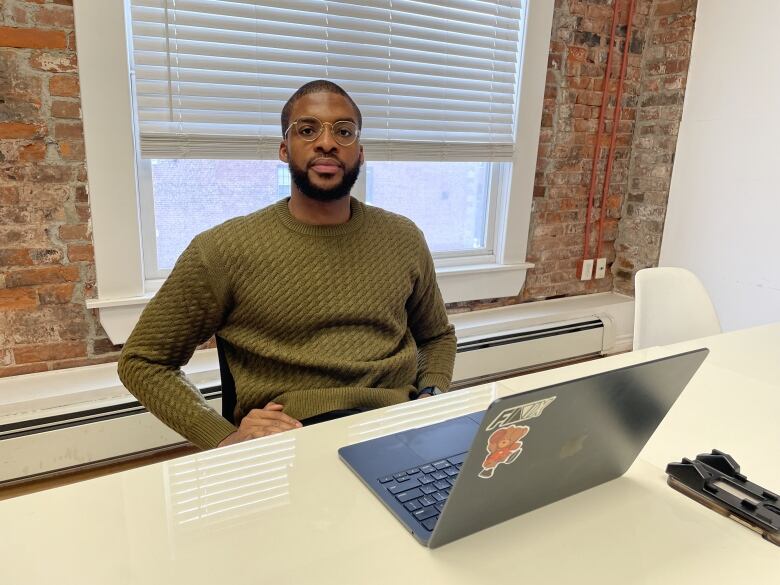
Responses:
[572,446]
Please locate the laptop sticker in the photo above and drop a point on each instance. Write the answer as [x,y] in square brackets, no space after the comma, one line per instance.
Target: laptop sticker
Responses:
[505,443]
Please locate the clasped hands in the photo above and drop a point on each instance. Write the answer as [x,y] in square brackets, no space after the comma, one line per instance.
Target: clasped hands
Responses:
[269,420]
[261,422]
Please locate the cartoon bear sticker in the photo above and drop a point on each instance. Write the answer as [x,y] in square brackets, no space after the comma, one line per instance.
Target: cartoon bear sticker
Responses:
[504,446]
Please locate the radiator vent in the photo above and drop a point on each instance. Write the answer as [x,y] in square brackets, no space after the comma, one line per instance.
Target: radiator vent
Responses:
[488,358]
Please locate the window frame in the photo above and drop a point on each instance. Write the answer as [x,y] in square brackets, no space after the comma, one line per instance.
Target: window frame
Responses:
[114,177]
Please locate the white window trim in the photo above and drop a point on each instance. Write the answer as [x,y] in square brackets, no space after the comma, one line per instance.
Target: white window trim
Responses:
[102,31]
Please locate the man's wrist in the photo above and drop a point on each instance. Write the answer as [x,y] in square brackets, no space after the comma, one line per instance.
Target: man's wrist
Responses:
[429,391]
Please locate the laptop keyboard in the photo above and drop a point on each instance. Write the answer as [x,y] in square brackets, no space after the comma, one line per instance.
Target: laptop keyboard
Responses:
[423,490]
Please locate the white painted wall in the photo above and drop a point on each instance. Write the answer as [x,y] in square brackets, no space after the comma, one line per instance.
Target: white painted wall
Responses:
[723,220]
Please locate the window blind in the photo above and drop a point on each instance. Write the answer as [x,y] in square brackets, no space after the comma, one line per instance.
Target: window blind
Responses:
[434,80]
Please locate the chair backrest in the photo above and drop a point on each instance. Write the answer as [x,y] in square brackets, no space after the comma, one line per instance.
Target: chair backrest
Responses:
[227,383]
[671,305]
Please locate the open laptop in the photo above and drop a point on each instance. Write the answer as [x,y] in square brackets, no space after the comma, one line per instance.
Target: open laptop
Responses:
[451,479]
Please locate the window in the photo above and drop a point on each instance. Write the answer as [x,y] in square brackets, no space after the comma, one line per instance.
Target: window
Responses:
[182,197]
[438,85]
[434,82]
[449,202]
[283,181]
[452,203]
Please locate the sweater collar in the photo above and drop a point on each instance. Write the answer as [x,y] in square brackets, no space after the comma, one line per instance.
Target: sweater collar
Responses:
[357,214]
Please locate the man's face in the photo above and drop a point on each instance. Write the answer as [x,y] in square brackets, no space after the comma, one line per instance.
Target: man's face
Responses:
[322,169]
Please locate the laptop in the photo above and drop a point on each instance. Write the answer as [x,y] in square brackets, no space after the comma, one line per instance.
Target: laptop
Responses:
[451,479]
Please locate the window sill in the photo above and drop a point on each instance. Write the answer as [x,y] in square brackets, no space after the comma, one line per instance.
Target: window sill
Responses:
[457,283]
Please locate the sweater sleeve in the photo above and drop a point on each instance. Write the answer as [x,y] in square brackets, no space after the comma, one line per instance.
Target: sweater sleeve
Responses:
[184,313]
[432,331]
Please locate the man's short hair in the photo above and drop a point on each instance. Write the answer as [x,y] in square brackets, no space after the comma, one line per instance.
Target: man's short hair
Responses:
[317,86]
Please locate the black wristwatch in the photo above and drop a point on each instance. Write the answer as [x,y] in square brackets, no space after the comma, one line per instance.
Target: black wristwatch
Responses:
[430,390]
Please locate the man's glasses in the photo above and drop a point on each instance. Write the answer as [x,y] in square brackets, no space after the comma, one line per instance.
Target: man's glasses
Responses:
[309,129]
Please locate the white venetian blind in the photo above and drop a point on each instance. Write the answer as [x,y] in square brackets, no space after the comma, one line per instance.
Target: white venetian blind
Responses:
[434,80]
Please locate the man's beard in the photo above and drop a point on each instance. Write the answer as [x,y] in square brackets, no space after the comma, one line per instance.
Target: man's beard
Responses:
[301,179]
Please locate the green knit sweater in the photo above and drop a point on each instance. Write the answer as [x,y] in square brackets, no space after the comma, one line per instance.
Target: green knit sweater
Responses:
[316,318]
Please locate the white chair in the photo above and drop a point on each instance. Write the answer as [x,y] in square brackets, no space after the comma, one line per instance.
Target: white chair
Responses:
[671,305]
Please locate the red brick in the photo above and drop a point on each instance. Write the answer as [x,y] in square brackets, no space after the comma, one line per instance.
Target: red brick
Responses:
[577,54]
[20,370]
[14,236]
[21,130]
[589,98]
[54,62]
[72,150]
[68,130]
[80,362]
[48,324]
[81,253]
[668,7]
[35,195]
[14,257]
[78,231]
[673,36]
[83,212]
[65,109]
[39,173]
[55,16]
[81,194]
[45,256]
[64,85]
[17,298]
[26,354]
[43,275]
[31,38]
[56,294]
[32,152]
[9,195]
[104,346]
[19,15]
[602,12]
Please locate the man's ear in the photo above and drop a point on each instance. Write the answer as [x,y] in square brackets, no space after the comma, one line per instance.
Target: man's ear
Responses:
[283,154]
[362,157]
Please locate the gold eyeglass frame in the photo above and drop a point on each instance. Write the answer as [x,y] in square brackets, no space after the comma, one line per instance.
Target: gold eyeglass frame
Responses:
[322,129]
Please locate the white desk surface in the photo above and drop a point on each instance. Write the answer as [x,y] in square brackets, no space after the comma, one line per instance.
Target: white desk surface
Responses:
[284,509]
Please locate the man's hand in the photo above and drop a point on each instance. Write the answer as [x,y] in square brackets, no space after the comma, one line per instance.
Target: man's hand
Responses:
[421,396]
[261,422]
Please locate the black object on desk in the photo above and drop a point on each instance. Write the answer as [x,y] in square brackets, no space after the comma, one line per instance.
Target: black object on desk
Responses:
[714,480]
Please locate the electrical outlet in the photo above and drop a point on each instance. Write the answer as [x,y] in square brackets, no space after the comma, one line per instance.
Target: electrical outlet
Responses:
[601,268]
[587,270]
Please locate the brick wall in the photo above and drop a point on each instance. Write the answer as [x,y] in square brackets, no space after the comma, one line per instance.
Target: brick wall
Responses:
[46,253]
[45,234]
[577,65]
[665,61]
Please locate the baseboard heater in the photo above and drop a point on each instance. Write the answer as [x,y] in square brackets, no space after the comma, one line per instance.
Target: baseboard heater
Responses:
[488,358]
[46,446]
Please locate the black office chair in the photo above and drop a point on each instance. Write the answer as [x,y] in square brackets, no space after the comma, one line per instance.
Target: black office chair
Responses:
[228,384]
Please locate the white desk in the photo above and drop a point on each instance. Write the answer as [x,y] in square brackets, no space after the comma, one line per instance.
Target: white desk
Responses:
[268,511]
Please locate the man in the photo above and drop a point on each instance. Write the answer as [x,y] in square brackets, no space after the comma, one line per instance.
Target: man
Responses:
[324,306]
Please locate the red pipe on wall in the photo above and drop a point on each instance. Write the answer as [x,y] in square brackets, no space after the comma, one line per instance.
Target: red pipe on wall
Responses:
[599,134]
[615,122]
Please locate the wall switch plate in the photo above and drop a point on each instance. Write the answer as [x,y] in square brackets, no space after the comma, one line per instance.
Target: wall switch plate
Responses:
[601,268]
[586,272]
